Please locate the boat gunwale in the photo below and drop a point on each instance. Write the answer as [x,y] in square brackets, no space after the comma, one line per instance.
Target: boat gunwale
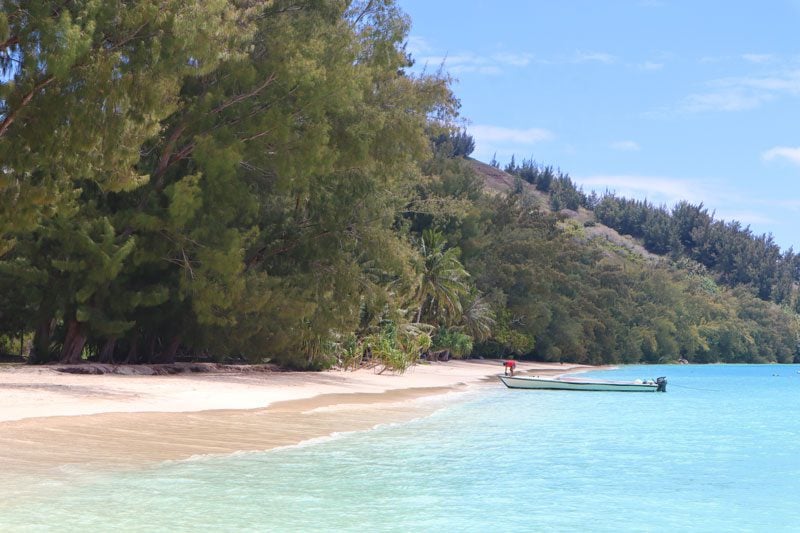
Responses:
[567,379]
[579,384]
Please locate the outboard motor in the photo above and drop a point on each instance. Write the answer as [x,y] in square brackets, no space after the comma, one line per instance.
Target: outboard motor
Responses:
[662,384]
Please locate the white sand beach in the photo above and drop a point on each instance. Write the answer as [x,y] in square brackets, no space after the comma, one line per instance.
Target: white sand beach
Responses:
[49,419]
[43,391]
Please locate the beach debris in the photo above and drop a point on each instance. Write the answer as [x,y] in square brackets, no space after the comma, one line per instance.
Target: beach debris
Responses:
[163,369]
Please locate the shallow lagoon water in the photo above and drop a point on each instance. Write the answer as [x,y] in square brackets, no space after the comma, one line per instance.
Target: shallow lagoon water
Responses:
[720,451]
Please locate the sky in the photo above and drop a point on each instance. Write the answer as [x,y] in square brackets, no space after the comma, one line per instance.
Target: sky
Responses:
[694,100]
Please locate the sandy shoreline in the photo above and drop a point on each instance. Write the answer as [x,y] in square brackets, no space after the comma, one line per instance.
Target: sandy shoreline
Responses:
[41,391]
[49,419]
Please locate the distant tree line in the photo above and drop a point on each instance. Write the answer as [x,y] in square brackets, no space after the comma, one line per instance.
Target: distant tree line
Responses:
[722,293]
[727,249]
[732,252]
[556,293]
[564,194]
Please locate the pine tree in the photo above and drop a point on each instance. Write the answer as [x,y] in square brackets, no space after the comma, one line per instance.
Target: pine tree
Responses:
[209,229]
[85,83]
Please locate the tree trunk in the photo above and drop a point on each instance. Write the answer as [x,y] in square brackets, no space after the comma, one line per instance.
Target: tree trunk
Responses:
[168,354]
[107,353]
[40,351]
[150,349]
[133,356]
[73,343]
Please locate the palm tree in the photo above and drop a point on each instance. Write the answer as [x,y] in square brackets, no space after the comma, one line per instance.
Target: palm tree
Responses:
[477,317]
[442,278]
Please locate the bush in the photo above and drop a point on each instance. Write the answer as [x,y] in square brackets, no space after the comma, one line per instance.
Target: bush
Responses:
[396,349]
[459,344]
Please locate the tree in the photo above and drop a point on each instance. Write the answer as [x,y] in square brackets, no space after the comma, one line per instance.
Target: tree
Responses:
[442,280]
[85,84]
[454,143]
[242,149]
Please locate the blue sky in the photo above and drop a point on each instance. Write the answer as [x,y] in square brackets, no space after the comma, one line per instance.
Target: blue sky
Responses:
[657,99]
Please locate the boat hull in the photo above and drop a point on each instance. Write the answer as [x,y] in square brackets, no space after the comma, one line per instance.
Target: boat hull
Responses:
[532,382]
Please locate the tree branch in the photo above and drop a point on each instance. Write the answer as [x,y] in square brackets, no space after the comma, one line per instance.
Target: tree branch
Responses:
[12,115]
[240,97]
[263,252]
[128,38]
[256,136]
[169,149]
[364,11]
[11,41]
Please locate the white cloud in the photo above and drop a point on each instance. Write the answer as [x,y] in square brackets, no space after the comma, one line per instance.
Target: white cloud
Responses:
[782,152]
[515,60]
[593,57]
[745,217]
[417,45]
[663,190]
[497,134]
[504,142]
[471,62]
[491,70]
[758,58]
[712,59]
[742,93]
[657,189]
[626,146]
[651,65]
[786,82]
[498,62]
[725,100]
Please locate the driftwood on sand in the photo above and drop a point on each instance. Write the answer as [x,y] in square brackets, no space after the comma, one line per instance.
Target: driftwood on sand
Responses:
[162,369]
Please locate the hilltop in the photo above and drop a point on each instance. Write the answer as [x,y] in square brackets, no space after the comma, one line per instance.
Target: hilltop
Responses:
[498,181]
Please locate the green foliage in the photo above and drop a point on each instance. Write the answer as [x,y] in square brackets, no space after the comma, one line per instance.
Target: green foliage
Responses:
[457,343]
[477,316]
[510,339]
[396,348]
[268,181]
[442,280]
[241,171]
[454,144]
[85,84]
[563,297]
[736,255]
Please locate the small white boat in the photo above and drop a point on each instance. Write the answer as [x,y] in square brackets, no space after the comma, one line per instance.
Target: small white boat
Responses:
[568,383]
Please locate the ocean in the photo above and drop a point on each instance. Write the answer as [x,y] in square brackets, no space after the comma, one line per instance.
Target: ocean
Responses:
[720,451]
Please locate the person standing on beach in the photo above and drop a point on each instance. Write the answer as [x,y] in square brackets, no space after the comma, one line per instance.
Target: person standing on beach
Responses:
[508,366]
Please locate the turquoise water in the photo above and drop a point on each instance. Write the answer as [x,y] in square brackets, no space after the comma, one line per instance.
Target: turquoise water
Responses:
[720,451]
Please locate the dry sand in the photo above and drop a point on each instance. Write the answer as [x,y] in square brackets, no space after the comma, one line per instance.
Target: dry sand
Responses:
[49,419]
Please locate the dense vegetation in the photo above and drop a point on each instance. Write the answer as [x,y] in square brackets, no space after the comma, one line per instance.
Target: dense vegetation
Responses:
[717,293]
[269,181]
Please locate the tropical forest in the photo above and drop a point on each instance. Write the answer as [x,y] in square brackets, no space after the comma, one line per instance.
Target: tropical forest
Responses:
[275,182]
